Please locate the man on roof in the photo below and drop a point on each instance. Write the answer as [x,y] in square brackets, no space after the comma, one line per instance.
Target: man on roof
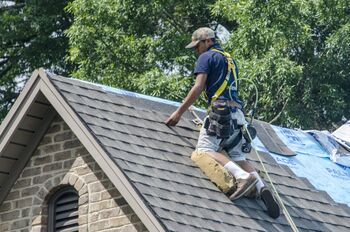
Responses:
[216,74]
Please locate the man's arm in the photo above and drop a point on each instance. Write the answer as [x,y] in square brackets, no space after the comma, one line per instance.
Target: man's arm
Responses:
[189,100]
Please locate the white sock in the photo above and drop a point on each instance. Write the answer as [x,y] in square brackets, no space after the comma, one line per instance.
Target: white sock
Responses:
[260,183]
[236,170]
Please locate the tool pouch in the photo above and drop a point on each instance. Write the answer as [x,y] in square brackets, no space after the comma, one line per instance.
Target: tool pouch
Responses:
[247,146]
[219,122]
[252,131]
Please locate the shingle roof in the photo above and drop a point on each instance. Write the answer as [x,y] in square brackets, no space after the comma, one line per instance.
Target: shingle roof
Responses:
[156,159]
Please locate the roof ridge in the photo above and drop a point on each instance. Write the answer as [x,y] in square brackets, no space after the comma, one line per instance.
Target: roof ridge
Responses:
[118,91]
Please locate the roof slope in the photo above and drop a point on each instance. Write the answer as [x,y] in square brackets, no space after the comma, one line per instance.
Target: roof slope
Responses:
[156,160]
[149,163]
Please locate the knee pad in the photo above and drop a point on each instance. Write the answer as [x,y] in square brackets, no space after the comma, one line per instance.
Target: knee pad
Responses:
[214,171]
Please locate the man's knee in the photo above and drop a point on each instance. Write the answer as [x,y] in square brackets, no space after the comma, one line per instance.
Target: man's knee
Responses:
[218,157]
[215,172]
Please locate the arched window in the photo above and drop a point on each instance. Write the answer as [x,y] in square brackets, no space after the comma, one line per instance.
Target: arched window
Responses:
[63,211]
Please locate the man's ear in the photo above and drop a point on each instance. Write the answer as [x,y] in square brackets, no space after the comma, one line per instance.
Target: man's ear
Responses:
[208,42]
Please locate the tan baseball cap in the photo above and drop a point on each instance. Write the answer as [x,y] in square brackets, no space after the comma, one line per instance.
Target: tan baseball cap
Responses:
[201,33]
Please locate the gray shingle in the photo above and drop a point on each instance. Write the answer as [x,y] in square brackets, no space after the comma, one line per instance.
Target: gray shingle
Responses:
[156,159]
[270,139]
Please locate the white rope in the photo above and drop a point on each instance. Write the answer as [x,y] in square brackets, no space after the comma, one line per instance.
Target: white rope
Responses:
[286,213]
[279,199]
[198,121]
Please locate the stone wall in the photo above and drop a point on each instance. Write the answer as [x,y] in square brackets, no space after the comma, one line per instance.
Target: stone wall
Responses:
[61,160]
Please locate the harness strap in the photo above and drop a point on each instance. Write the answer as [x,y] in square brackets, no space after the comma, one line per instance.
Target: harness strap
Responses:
[231,69]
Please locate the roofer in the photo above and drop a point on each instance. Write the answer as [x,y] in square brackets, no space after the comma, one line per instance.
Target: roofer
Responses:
[216,73]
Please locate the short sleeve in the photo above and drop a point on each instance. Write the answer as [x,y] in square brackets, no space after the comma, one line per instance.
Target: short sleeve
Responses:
[203,64]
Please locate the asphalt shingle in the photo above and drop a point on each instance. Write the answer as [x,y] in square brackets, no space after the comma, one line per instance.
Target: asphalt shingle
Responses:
[156,159]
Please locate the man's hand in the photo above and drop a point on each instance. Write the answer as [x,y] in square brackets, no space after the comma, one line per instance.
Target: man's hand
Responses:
[173,119]
[190,98]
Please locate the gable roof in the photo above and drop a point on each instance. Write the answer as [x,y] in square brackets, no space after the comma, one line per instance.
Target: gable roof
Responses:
[149,163]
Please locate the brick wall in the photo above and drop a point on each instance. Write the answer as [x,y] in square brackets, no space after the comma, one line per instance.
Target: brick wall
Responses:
[61,160]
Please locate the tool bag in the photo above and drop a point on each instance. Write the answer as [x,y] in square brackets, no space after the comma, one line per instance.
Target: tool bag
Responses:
[219,121]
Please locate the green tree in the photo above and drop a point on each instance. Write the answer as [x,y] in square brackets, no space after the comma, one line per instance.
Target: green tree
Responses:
[298,54]
[31,36]
[137,45]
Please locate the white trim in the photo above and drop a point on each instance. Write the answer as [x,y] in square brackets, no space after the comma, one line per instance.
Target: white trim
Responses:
[113,172]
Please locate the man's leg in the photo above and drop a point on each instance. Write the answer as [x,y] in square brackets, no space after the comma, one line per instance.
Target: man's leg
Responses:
[245,181]
[248,167]
[238,156]
[211,144]
[236,170]
[263,191]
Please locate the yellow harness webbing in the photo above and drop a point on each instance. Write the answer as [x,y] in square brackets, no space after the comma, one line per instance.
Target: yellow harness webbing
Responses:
[231,68]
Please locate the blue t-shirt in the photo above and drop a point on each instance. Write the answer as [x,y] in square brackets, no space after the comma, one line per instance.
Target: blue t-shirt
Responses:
[214,65]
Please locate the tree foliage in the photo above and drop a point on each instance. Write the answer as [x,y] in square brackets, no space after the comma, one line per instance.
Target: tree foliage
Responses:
[296,51]
[137,45]
[298,54]
[31,36]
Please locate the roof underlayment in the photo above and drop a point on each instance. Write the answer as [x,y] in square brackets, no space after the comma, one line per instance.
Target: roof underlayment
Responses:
[312,162]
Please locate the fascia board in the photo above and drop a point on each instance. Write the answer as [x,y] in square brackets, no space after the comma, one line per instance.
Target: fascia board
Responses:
[25,156]
[18,110]
[116,176]
[12,122]
[21,97]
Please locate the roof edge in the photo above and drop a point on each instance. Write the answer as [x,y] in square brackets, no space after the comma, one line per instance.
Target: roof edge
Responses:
[20,101]
[113,172]
[128,93]
[10,124]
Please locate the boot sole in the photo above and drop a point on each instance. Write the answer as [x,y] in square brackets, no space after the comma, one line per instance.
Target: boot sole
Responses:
[245,191]
[273,209]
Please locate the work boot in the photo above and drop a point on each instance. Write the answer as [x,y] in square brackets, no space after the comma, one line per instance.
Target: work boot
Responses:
[272,207]
[252,194]
[243,186]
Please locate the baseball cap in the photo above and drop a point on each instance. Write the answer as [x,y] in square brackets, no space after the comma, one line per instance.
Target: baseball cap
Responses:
[201,33]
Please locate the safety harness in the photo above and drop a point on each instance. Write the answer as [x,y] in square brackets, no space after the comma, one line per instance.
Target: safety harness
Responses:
[219,120]
[231,68]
